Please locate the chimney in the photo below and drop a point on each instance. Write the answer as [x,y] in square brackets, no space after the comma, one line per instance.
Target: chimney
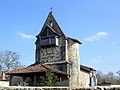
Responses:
[3,76]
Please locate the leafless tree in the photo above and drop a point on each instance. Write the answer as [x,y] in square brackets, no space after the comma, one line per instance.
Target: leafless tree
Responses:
[118,72]
[100,77]
[110,77]
[9,60]
[118,77]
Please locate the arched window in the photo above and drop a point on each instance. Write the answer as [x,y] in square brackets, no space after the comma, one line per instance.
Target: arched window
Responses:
[17,81]
[28,81]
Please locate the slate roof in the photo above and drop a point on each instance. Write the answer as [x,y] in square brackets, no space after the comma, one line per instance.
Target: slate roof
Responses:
[37,68]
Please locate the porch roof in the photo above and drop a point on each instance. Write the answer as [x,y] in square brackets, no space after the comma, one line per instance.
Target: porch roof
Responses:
[37,68]
[86,68]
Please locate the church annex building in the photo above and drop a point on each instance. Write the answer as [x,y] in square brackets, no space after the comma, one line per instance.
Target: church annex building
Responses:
[59,54]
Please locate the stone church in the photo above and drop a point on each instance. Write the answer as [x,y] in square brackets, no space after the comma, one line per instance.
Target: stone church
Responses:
[58,53]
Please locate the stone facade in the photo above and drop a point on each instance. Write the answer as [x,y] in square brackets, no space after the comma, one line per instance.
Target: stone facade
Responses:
[85,79]
[73,57]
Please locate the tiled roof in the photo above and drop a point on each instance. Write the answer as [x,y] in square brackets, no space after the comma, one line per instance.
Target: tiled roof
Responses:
[85,68]
[35,69]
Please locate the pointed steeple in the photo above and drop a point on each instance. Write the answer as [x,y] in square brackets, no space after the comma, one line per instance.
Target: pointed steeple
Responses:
[53,25]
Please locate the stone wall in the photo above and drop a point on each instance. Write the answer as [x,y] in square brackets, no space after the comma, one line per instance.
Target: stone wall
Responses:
[4,83]
[85,79]
[53,54]
[73,57]
[57,88]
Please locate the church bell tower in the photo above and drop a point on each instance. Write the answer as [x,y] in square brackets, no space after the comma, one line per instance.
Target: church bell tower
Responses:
[57,50]
[51,42]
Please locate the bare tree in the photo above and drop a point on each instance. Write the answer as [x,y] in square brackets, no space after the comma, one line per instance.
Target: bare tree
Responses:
[9,60]
[118,72]
[100,77]
[108,78]
[118,77]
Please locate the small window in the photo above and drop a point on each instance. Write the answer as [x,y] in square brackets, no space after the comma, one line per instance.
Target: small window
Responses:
[51,24]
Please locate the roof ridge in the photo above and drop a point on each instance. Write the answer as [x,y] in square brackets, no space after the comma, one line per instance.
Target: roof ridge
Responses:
[44,65]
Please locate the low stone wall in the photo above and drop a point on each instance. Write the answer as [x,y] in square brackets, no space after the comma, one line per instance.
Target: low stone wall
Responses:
[4,83]
[56,88]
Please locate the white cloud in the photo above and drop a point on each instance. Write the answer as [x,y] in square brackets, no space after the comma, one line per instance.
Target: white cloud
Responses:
[96,37]
[23,35]
[102,34]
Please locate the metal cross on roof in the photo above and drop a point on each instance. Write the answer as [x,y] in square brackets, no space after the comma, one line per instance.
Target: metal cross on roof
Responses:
[51,9]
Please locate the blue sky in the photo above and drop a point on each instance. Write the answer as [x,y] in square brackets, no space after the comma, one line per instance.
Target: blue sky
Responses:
[96,23]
